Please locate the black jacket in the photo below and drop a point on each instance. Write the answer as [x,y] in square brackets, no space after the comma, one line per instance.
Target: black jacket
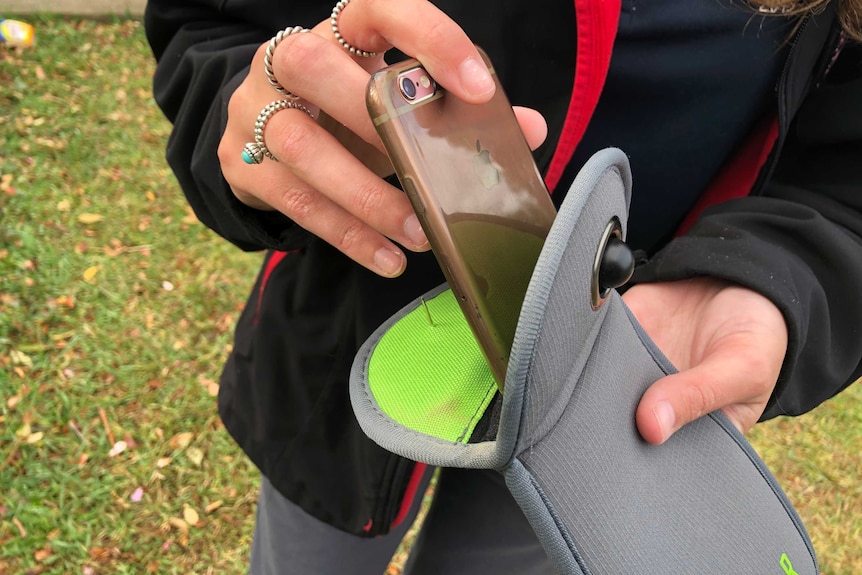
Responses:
[797,238]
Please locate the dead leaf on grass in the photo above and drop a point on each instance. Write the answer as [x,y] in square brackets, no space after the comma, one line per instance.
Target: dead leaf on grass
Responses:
[178,523]
[35,437]
[195,455]
[163,462]
[213,506]
[210,385]
[90,273]
[20,358]
[42,554]
[21,530]
[88,218]
[181,440]
[190,516]
[66,301]
[117,449]
[24,431]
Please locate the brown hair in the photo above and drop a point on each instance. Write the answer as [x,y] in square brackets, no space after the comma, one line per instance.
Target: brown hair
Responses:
[849,11]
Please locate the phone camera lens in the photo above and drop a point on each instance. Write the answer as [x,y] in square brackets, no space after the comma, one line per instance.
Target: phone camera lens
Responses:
[408,88]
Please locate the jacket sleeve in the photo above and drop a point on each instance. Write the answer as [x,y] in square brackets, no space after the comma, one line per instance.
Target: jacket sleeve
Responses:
[798,242]
[203,49]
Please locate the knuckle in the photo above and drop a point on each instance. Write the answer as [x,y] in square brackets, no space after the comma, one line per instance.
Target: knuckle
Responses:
[299,203]
[350,237]
[294,138]
[368,200]
[439,32]
[296,54]
[701,400]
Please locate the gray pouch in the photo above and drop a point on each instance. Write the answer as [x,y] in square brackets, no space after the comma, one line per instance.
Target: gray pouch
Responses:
[601,500]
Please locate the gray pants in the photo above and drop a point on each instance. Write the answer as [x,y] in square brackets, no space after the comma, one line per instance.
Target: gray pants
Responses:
[473,527]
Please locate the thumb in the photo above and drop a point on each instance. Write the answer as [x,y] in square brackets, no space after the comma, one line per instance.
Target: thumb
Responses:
[730,379]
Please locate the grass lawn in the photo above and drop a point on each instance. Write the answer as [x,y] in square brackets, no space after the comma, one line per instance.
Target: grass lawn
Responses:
[117,309]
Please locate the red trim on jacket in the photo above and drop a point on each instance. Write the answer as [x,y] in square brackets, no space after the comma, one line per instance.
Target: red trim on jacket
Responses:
[739,174]
[597,22]
[410,494]
[271,264]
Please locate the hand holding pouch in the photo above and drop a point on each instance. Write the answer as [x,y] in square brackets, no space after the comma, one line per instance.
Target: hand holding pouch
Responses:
[601,500]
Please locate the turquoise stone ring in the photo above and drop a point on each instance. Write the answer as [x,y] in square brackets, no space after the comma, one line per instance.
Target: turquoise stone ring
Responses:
[252,153]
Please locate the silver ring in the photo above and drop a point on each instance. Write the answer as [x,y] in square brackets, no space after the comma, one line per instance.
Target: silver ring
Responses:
[255,152]
[333,20]
[267,59]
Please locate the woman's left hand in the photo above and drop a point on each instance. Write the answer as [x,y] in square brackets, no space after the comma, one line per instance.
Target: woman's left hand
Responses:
[728,343]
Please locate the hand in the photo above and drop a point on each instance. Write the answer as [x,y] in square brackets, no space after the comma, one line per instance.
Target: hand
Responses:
[319,182]
[727,342]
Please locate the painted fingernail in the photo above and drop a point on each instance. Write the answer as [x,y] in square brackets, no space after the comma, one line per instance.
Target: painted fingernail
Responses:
[475,78]
[413,230]
[666,419]
[388,261]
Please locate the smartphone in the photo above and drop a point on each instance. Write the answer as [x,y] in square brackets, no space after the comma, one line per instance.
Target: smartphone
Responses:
[476,190]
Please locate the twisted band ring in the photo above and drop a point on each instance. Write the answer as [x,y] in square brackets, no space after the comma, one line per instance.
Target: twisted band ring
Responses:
[267,59]
[333,20]
[255,152]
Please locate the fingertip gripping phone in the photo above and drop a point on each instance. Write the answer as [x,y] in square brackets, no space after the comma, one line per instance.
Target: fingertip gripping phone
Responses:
[470,176]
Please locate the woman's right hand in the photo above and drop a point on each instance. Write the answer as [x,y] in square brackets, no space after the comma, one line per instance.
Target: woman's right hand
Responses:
[318,181]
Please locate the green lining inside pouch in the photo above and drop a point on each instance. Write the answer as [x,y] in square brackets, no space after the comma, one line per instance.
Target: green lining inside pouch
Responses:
[428,373]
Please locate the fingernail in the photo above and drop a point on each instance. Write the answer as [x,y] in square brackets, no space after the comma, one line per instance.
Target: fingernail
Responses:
[388,261]
[475,78]
[413,230]
[666,419]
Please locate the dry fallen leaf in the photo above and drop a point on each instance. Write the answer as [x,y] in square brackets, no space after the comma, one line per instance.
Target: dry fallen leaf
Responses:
[213,506]
[68,302]
[24,431]
[64,205]
[87,218]
[190,515]
[35,437]
[181,440]
[178,523]
[42,554]
[195,455]
[20,527]
[20,358]
[210,385]
[90,273]
[163,462]
[117,449]
[13,401]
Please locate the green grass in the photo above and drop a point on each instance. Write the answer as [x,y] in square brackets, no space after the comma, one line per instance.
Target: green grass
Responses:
[115,301]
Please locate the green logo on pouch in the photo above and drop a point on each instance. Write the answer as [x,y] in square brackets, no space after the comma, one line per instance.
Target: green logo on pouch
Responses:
[787,565]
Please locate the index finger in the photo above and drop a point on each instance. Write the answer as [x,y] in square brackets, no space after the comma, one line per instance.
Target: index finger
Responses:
[423,31]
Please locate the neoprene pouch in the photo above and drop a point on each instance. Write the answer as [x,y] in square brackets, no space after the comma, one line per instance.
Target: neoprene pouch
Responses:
[601,499]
